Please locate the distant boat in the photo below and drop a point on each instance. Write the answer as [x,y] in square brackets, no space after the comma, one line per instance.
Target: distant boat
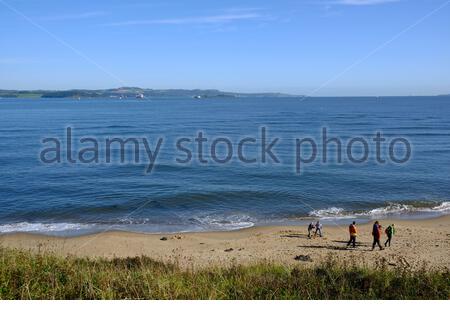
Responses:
[197,97]
[140,96]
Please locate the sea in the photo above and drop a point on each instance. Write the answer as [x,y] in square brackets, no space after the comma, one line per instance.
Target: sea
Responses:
[259,161]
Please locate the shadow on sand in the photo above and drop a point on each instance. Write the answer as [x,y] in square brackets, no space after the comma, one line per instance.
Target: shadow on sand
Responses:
[295,235]
[338,248]
[328,247]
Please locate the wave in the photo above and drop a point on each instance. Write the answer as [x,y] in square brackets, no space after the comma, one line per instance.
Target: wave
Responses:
[444,206]
[228,222]
[197,223]
[43,227]
[332,212]
[221,221]
[202,222]
[389,209]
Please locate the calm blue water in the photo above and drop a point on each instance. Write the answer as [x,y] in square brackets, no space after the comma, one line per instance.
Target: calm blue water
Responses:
[77,198]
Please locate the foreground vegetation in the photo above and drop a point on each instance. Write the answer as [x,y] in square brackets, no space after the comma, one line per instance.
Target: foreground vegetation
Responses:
[24,275]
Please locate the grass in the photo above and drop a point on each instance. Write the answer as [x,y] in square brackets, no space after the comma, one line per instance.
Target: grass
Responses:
[24,275]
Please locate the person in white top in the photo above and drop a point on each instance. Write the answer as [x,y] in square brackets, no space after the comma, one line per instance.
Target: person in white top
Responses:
[318,229]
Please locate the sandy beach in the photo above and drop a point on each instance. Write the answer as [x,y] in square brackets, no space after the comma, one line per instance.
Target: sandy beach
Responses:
[417,242]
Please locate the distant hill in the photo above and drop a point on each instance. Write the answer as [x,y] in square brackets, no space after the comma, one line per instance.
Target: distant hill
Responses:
[131,93]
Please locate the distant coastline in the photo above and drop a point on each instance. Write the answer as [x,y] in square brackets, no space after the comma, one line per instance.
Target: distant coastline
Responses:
[142,93]
[133,92]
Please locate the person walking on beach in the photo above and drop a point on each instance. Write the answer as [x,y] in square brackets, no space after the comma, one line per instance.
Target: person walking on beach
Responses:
[353,234]
[310,228]
[376,233]
[318,229]
[390,231]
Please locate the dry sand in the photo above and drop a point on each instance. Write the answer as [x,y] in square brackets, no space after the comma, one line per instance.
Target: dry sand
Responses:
[416,242]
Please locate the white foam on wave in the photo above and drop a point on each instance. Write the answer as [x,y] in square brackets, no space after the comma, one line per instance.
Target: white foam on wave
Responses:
[205,222]
[394,208]
[42,227]
[391,209]
[228,222]
[397,208]
[443,207]
[331,213]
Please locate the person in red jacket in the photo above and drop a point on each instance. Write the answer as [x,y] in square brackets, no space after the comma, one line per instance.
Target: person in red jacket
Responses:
[376,233]
[353,234]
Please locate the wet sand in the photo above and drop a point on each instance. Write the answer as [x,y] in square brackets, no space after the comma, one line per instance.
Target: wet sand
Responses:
[417,242]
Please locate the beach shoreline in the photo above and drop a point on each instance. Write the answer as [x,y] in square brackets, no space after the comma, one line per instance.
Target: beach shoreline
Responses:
[417,243]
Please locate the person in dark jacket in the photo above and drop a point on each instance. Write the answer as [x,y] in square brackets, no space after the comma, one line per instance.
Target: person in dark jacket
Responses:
[310,229]
[376,233]
[390,231]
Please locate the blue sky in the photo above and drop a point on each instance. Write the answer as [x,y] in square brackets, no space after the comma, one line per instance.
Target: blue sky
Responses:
[321,48]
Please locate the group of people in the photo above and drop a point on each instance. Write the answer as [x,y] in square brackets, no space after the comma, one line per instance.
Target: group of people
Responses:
[377,231]
[317,227]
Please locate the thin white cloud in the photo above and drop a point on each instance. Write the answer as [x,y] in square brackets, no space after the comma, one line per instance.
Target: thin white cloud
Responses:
[244,9]
[76,16]
[214,19]
[364,2]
